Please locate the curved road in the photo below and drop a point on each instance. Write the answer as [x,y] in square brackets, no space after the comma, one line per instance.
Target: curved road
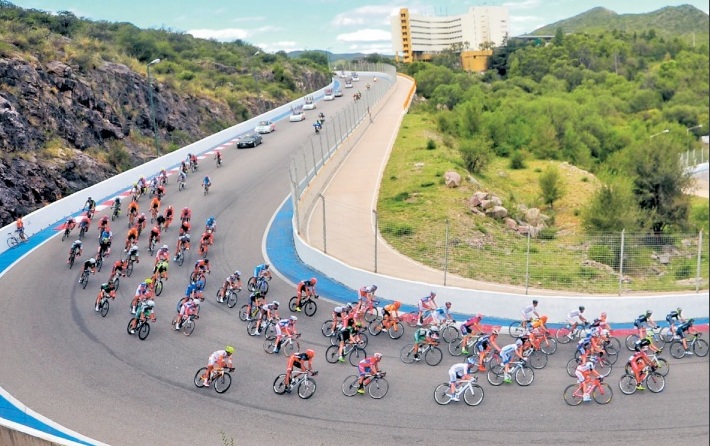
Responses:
[64,361]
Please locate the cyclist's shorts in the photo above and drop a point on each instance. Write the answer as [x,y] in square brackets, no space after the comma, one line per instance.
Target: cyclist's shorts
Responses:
[679,331]
[277,329]
[465,330]
[481,346]
[580,376]
[453,377]
[505,356]
[638,324]
[363,370]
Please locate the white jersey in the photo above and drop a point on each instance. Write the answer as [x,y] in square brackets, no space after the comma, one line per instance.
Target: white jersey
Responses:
[529,309]
[575,313]
[459,369]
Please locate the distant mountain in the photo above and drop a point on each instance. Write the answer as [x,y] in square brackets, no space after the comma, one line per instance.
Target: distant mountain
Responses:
[668,22]
[338,57]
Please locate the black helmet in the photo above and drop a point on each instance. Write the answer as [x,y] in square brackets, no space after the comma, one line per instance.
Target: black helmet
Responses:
[581,308]
[534,301]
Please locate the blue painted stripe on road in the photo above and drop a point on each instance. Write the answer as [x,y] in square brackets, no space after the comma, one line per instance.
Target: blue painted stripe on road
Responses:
[12,413]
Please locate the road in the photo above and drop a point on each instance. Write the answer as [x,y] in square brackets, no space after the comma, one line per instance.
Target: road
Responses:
[64,361]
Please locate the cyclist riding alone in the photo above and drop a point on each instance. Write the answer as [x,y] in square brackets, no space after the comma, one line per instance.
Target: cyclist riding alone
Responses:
[131,237]
[218,156]
[468,329]
[304,361]
[528,311]
[76,248]
[219,360]
[145,310]
[307,286]
[284,327]
[585,375]
[90,265]
[106,289]
[185,214]
[425,335]
[233,281]
[685,327]
[574,318]
[368,366]
[424,304]
[458,373]
[390,311]
[643,321]
[675,315]
[483,346]
[20,229]
[206,182]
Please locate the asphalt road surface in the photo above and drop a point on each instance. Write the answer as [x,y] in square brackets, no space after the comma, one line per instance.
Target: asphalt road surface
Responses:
[65,361]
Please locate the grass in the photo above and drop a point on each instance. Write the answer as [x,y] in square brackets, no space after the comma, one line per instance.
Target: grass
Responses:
[415,210]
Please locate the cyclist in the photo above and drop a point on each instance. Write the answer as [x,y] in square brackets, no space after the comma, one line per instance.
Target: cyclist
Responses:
[639,360]
[284,327]
[84,223]
[133,253]
[90,265]
[268,312]
[366,295]
[685,327]
[211,224]
[262,271]
[163,176]
[116,206]
[146,309]
[182,176]
[141,222]
[425,303]
[218,360]
[193,160]
[255,299]
[458,373]
[506,354]
[528,311]
[103,223]
[218,157]
[70,224]
[675,314]
[160,191]
[119,267]
[233,281]
[422,335]
[206,182]
[483,346]
[188,308]
[298,360]
[107,289]
[132,211]
[154,206]
[160,271]
[601,322]
[90,207]
[105,242]
[162,254]
[442,314]
[204,242]
[202,266]
[350,334]
[183,167]
[135,192]
[539,326]
[342,312]
[390,311]
[574,318]
[186,214]
[643,321]
[142,293]
[154,236]
[185,227]
[142,185]
[76,248]
[20,229]
[307,286]
[183,242]
[131,237]
[368,366]
[585,375]
[168,216]
[468,329]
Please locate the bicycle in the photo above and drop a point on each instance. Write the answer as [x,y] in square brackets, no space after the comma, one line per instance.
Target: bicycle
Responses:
[142,327]
[99,261]
[302,381]
[115,280]
[516,329]
[244,314]
[206,189]
[67,232]
[204,247]
[371,312]
[431,352]
[260,284]
[151,245]
[181,184]
[523,374]
[662,366]
[219,378]
[472,393]
[545,343]
[355,351]
[158,281]
[186,324]
[153,214]
[129,267]
[14,240]
[565,334]
[116,212]
[377,385]
[602,366]
[600,392]
[655,382]
[652,333]
[230,296]
[456,347]
[695,344]
[82,230]
[393,327]
[104,305]
[449,332]
[72,257]
[289,345]
[84,279]
[266,327]
[308,304]
[180,257]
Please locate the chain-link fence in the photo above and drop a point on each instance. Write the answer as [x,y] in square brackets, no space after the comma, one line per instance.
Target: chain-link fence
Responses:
[694,157]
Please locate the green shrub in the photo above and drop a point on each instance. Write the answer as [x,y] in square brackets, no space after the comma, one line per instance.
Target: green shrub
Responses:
[428,184]
[517,160]
[402,196]
[431,144]
[476,155]
[118,157]
[684,271]
[602,254]
[547,234]
[398,229]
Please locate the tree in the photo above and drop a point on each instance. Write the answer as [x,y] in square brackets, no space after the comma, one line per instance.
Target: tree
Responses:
[612,208]
[551,186]
[476,154]
[559,39]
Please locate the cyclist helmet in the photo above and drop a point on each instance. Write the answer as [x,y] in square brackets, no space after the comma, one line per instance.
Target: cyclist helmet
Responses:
[207,261]
[150,303]
[479,315]
[313,281]
[275,303]
[543,318]
[535,302]
[165,247]
[649,312]
[581,308]
[229,349]
[519,342]
[143,214]
[186,208]
[494,332]
[432,294]
[349,306]
[603,315]
[266,266]
[311,353]
[92,260]
[373,288]
[397,304]
[293,318]
[679,309]
[78,242]
[434,329]
[377,356]
[471,360]
[89,199]
[691,321]
[117,199]
[448,304]
[237,273]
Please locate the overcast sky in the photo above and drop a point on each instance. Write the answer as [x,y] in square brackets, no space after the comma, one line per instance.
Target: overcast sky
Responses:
[335,25]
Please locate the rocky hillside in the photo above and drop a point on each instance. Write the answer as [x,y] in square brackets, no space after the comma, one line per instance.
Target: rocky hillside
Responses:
[67,122]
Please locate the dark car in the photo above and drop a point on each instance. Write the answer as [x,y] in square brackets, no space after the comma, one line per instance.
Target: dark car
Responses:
[251,140]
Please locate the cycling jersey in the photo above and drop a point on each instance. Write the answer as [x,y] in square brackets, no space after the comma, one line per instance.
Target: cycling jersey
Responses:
[641,320]
[641,343]
[457,371]
[259,269]
[673,315]
[574,313]
[482,343]
[682,329]
[506,353]
[527,310]
[220,356]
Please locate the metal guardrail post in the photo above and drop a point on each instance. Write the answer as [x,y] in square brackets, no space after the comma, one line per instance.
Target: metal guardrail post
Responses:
[325,250]
[376,229]
[446,250]
[621,260]
[527,266]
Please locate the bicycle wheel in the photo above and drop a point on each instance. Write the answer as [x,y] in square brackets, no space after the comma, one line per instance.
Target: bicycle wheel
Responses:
[548,345]
[269,345]
[116,282]
[180,258]
[65,235]
[310,308]
[602,394]
[331,354]
[356,355]
[129,269]
[396,331]
[279,385]
[188,327]
[630,341]
[158,287]
[612,357]
[363,340]
[572,395]
[627,384]
[375,327]
[200,377]
[99,262]
[495,375]
[572,367]
[603,367]
[537,359]
[71,261]
[433,356]
[270,331]
[516,329]
[327,328]
[378,388]
[407,354]
[442,395]
[231,299]
[350,385]
[128,327]
[84,279]
[251,328]
[12,241]
[662,367]
[524,376]
[411,319]
[144,331]
[655,382]
[450,334]
[251,284]
[292,304]
[103,307]
[222,383]
[243,311]
[666,335]
[290,348]
[677,350]
[563,335]
[306,388]
[614,346]
[473,395]
[700,348]
[372,314]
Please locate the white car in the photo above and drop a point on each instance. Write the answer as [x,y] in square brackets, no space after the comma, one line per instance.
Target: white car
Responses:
[349,83]
[338,93]
[265,127]
[297,116]
[309,106]
[355,77]
[328,95]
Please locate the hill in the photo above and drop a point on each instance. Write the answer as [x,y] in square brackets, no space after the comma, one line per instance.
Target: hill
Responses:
[671,21]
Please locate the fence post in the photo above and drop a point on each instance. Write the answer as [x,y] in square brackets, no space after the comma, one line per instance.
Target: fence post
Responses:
[700,253]
[527,265]
[621,260]
[315,162]
[325,250]
[376,229]
[446,250]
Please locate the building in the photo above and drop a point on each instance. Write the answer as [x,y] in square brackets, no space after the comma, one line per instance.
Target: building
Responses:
[473,34]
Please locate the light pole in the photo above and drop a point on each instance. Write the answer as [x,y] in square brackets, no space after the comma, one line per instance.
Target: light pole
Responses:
[659,133]
[152,107]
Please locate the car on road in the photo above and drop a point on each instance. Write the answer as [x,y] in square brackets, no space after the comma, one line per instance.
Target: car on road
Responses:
[349,83]
[338,93]
[309,106]
[250,140]
[265,127]
[354,77]
[328,95]
[297,116]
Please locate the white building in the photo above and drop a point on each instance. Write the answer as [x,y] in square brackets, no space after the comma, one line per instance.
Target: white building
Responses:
[418,37]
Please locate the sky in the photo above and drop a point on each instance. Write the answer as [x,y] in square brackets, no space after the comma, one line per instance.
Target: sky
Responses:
[337,26]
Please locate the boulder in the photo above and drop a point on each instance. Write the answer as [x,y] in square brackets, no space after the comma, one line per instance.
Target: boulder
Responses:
[497,212]
[452,179]
[510,223]
[532,216]
[476,211]
[477,198]
[496,201]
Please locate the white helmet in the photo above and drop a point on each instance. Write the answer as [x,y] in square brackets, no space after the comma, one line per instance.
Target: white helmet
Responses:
[150,303]
[434,329]
[78,242]
[237,273]
[165,247]
[293,318]
[276,303]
